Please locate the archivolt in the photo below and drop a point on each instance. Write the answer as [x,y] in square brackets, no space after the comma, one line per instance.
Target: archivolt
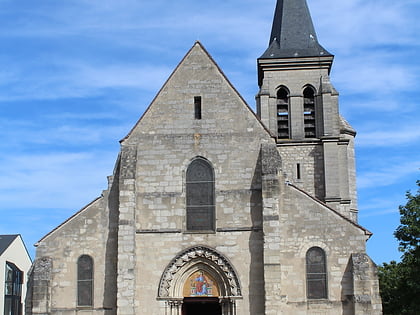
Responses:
[191,259]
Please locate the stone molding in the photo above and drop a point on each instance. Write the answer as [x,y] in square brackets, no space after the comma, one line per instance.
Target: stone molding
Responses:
[192,256]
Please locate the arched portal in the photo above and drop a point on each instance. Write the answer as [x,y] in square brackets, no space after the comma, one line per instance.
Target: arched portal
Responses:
[200,280]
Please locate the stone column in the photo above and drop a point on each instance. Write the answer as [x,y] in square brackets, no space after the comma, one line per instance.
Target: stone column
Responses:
[38,297]
[344,178]
[332,173]
[366,296]
[296,125]
[271,192]
[127,233]
[175,307]
[227,305]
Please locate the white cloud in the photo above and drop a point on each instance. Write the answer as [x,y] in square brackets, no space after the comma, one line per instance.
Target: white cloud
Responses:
[54,180]
[60,131]
[359,24]
[73,78]
[389,173]
[377,75]
[389,135]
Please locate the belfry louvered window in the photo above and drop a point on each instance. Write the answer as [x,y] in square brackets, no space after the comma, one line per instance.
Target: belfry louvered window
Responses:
[282,113]
[309,112]
[200,196]
[316,273]
[85,281]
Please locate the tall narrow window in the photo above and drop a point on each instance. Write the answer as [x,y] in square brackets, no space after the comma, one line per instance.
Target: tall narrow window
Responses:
[85,281]
[298,171]
[309,112]
[316,274]
[200,196]
[13,290]
[283,113]
[197,107]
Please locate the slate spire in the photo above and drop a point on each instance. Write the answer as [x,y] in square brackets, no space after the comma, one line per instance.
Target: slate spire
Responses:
[293,33]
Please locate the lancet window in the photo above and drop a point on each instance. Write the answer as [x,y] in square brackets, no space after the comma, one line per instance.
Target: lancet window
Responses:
[200,196]
[316,273]
[85,281]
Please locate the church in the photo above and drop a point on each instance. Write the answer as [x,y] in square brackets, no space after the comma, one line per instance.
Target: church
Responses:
[214,209]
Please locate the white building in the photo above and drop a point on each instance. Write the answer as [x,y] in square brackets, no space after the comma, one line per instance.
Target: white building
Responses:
[14,267]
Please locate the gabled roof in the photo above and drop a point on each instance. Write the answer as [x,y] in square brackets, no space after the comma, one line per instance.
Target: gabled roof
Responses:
[5,241]
[197,47]
[68,220]
[293,33]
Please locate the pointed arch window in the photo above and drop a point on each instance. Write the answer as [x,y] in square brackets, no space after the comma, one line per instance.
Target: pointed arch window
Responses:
[85,281]
[309,112]
[283,113]
[200,196]
[316,273]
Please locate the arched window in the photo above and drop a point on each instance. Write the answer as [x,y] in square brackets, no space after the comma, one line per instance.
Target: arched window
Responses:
[85,281]
[309,112]
[316,274]
[283,113]
[200,196]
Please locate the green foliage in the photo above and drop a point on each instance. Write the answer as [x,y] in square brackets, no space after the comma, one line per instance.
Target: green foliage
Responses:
[400,282]
[408,233]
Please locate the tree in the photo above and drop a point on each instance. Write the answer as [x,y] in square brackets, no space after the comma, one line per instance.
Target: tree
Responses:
[400,282]
[408,233]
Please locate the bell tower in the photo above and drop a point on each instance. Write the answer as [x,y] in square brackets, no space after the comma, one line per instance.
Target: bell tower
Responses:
[299,105]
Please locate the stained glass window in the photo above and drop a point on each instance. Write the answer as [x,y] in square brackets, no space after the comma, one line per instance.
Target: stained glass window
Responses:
[316,274]
[200,196]
[85,281]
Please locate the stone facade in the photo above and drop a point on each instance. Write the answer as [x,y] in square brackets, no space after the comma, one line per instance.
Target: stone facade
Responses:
[266,218]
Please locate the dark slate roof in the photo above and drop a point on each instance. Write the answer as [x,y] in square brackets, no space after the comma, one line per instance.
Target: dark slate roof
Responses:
[5,241]
[293,33]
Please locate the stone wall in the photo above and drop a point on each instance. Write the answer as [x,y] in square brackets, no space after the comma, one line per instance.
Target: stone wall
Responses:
[54,276]
[168,138]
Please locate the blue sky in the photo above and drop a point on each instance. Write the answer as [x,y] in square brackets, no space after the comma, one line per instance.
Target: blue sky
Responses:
[76,75]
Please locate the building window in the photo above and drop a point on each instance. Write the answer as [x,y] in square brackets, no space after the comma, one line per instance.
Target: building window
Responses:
[283,113]
[85,281]
[316,274]
[13,290]
[197,107]
[298,171]
[309,112]
[200,196]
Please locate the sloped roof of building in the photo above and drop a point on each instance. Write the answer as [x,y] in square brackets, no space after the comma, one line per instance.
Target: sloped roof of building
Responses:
[198,46]
[293,33]
[5,241]
[366,231]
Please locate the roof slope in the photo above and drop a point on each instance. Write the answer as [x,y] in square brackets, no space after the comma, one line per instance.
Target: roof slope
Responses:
[170,112]
[293,33]
[5,241]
